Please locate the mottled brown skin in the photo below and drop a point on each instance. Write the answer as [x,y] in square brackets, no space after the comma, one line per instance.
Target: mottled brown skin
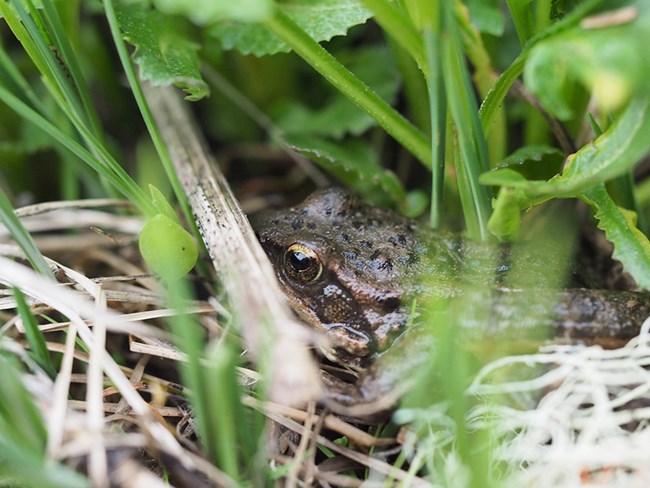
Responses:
[352,270]
[366,260]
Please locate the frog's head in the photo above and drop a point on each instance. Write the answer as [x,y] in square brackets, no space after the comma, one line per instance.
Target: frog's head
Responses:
[341,264]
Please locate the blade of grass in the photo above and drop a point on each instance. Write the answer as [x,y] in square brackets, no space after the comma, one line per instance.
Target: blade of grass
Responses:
[223,390]
[154,133]
[71,63]
[23,37]
[104,165]
[22,237]
[23,423]
[521,17]
[348,84]
[474,161]
[12,77]
[34,336]
[189,337]
[52,71]
[438,110]
[22,438]
[484,76]
[414,87]
[16,83]
[34,43]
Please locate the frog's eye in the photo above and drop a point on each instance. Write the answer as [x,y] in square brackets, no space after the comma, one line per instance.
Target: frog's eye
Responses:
[302,264]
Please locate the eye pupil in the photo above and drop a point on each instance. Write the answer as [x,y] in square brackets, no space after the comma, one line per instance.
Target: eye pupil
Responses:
[302,264]
[300,261]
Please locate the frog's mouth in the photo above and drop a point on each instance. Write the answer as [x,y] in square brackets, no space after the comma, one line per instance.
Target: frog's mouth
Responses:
[347,332]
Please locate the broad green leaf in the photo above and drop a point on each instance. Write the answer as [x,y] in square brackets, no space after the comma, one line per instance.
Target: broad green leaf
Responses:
[502,177]
[536,153]
[163,52]
[631,246]
[321,19]
[354,163]
[612,154]
[535,162]
[375,67]
[611,62]
[205,12]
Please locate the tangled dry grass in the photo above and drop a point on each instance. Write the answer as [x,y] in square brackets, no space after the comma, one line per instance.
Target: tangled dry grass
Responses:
[562,417]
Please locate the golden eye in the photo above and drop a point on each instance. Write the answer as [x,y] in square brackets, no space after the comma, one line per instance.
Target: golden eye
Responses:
[302,264]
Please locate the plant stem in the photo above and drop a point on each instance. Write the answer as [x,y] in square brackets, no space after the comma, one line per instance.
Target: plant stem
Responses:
[438,110]
[353,88]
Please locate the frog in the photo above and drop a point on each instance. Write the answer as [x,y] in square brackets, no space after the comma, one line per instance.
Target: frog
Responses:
[355,272]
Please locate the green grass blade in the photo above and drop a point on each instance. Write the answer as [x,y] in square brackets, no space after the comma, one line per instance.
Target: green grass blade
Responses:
[105,166]
[474,160]
[51,69]
[495,97]
[161,149]
[34,336]
[438,110]
[223,390]
[23,435]
[35,42]
[74,70]
[521,17]
[15,81]
[190,339]
[484,75]
[23,424]
[23,36]
[22,237]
